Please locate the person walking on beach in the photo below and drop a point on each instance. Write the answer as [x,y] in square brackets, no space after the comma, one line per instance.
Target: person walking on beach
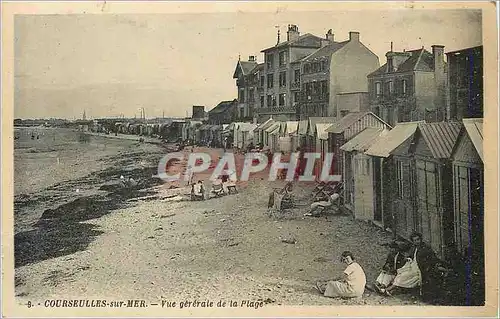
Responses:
[352,284]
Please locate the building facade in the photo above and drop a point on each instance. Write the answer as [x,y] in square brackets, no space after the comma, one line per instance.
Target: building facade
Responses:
[465,83]
[410,86]
[335,75]
[281,75]
[248,82]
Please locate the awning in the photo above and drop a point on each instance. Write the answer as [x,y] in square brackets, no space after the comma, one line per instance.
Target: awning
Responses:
[319,120]
[364,140]
[264,126]
[302,127]
[388,143]
[321,130]
[246,127]
[291,127]
[273,127]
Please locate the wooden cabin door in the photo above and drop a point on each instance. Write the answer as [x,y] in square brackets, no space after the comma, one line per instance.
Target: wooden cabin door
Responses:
[429,212]
[363,198]
[403,205]
[377,189]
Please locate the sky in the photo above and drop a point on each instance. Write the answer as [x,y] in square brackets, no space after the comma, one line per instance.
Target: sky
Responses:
[111,65]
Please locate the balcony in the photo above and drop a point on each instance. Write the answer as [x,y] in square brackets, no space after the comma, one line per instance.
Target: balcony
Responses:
[275,110]
[295,86]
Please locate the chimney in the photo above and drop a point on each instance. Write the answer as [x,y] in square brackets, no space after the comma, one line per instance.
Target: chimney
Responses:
[328,39]
[330,35]
[293,33]
[252,58]
[439,77]
[354,36]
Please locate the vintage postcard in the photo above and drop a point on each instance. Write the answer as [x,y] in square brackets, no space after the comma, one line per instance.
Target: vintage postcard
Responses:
[257,159]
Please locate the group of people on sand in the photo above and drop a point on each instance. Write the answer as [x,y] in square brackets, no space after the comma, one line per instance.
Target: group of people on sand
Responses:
[406,267]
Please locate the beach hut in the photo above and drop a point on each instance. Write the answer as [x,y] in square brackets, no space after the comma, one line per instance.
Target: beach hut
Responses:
[268,134]
[430,153]
[360,176]
[302,127]
[346,128]
[468,206]
[260,130]
[390,197]
[468,181]
[244,134]
[311,139]
[288,136]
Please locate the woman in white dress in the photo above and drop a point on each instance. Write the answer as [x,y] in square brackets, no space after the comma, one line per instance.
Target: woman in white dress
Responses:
[352,284]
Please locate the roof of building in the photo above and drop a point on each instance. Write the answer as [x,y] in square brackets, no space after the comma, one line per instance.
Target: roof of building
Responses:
[222,107]
[274,126]
[345,122]
[245,66]
[390,141]
[479,47]
[365,139]
[265,125]
[316,120]
[420,60]
[327,50]
[440,137]
[474,128]
[257,68]
[302,127]
[291,127]
[321,130]
[246,127]
[305,40]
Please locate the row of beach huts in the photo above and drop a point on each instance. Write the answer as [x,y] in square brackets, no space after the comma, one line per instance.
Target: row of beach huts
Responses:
[415,176]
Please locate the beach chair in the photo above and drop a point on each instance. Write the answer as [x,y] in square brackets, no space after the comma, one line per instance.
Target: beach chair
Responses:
[217,190]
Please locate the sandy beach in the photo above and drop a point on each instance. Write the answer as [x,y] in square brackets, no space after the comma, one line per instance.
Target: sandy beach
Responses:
[108,243]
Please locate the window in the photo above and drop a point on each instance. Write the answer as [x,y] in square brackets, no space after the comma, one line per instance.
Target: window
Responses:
[307,68]
[273,99]
[283,79]
[269,100]
[262,101]
[315,67]
[324,87]
[296,97]
[282,98]
[269,61]
[282,58]
[308,89]
[262,80]
[296,76]
[391,87]
[242,96]
[251,97]
[323,66]
[378,89]
[404,87]
[343,113]
[270,81]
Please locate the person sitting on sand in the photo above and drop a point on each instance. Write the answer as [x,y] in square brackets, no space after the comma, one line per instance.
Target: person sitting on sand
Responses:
[198,191]
[352,284]
[318,207]
[394,261]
